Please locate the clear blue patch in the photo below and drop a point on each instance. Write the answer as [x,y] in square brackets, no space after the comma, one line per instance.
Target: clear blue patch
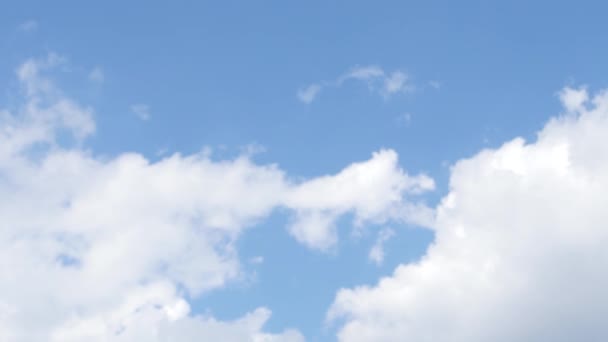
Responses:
[299,284]
[67,260]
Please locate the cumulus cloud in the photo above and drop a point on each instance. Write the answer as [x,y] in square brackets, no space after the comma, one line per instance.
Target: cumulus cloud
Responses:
[112,248]
[573,99]
[46,111]
[107,249]
[378,81]
[520,252]
[374,191]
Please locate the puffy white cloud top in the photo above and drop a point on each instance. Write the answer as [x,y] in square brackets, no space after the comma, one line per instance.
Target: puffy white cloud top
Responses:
[99,249]
[113,248]
[521,246]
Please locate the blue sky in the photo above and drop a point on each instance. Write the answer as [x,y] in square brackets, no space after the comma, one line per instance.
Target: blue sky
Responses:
[166,78]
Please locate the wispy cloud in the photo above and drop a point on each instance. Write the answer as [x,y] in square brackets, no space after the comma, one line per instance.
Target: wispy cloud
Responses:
[256,260]
[396,82]
[142,111]
[404,119]
[377,79]
[96,75]
[364,73]
[28,26]
[308,94]
[435,84]
[376,253]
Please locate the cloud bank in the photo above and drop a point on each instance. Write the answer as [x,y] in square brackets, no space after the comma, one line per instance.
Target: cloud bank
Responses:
[96,248]
[115,248]
[520,248]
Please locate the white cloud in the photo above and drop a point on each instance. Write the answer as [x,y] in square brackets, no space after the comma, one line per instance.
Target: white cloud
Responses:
[96,75]
[29,74]
[142,111]
[308,94]
[574,100]
[98,249]
[377,80]
[374,191]
[362,73]
[28,26]
[376,253]
[46,111]
[520,252]
[395,82]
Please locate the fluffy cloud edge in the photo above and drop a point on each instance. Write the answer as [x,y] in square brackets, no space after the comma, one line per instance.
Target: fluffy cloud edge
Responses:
[519,251]
[119,243]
